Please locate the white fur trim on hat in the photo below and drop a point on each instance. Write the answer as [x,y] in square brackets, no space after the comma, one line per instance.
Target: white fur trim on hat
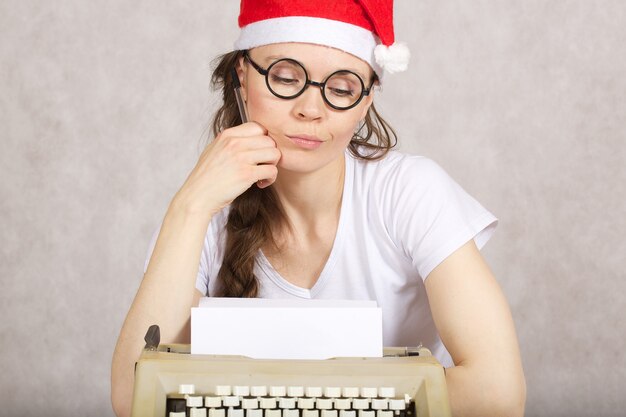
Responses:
[394,58]
[344,36]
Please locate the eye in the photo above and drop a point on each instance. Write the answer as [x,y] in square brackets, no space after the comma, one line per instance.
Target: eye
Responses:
[284,80]
[342,93]
[286,73]
[343,85]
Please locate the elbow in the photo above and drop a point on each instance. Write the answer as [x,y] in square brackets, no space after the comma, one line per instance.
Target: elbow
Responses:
[120,404]
[509,408]
[512,408]
[509,401]
[484,391]
[121,392]
[520,401]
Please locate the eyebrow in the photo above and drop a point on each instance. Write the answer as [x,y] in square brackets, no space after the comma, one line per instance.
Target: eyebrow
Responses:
[269,59]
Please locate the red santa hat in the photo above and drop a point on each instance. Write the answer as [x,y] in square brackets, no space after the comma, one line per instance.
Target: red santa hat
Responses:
[363,28]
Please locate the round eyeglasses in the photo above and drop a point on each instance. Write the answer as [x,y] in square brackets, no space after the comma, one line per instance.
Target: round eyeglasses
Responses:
[286,78]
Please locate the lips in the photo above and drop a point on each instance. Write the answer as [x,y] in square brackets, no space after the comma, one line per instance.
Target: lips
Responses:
[305,141]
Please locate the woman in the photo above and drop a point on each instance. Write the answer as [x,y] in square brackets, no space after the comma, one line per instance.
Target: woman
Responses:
[295,204]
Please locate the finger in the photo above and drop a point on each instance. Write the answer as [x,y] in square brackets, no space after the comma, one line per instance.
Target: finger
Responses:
[261,156]
[266,182]
[266,175]
[246,129]
[250,143]
[238,145]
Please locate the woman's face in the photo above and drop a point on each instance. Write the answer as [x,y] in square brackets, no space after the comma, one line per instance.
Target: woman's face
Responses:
[309,133]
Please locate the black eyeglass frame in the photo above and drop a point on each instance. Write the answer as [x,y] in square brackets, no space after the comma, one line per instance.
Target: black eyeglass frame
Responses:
[321,85]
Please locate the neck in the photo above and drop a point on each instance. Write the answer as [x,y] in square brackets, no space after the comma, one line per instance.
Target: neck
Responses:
[311,199]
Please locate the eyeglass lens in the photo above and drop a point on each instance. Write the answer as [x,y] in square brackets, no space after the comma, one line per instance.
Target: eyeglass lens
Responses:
[287,78]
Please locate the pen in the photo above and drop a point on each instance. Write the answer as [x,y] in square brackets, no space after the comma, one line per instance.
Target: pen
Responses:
[240,103]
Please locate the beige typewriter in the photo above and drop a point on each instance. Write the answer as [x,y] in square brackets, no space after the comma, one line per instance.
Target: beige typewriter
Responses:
[171,382]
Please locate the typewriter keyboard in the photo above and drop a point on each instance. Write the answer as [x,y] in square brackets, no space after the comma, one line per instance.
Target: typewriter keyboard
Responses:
[290,401]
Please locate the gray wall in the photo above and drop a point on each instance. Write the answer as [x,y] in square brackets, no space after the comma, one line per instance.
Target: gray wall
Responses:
[104,109]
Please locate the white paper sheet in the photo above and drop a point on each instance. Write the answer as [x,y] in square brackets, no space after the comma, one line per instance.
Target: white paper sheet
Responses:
[286,329]
[288,302]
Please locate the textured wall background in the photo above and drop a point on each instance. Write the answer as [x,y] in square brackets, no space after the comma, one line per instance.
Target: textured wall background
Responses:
[104,108]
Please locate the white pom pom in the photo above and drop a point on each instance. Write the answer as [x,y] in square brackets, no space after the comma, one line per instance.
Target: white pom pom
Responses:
[394,58]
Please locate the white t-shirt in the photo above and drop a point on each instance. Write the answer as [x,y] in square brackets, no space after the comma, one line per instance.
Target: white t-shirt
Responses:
[400,217]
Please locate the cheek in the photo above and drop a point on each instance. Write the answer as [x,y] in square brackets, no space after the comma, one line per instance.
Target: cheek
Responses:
[344,127]
[263,108]
[261,102]
[342,132]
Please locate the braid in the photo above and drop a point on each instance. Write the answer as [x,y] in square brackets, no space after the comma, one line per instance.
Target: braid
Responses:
[248,228]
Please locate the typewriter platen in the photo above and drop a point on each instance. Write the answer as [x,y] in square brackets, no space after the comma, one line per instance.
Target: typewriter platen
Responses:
[171,382]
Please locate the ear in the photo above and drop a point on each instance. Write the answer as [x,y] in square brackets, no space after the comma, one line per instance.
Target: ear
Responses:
[367,103]
[241,68]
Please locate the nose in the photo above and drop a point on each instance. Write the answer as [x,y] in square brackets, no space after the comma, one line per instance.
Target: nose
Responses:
[310,104]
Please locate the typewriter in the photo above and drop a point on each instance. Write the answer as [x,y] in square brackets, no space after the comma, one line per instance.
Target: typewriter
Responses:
[172,382]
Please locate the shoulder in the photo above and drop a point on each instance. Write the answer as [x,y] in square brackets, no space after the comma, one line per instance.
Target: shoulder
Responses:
[397,163]
[399,172]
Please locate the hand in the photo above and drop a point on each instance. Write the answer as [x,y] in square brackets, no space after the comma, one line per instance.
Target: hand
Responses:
[228,166]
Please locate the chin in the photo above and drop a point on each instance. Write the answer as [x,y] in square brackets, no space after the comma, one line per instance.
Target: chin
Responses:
[307,162]
[297,163]
[303,158]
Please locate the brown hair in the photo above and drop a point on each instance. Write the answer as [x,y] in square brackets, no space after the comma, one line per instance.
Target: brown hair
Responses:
[253,214]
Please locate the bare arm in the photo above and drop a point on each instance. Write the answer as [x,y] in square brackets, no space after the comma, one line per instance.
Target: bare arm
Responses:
[235,160]
[476,326]
[165,297]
